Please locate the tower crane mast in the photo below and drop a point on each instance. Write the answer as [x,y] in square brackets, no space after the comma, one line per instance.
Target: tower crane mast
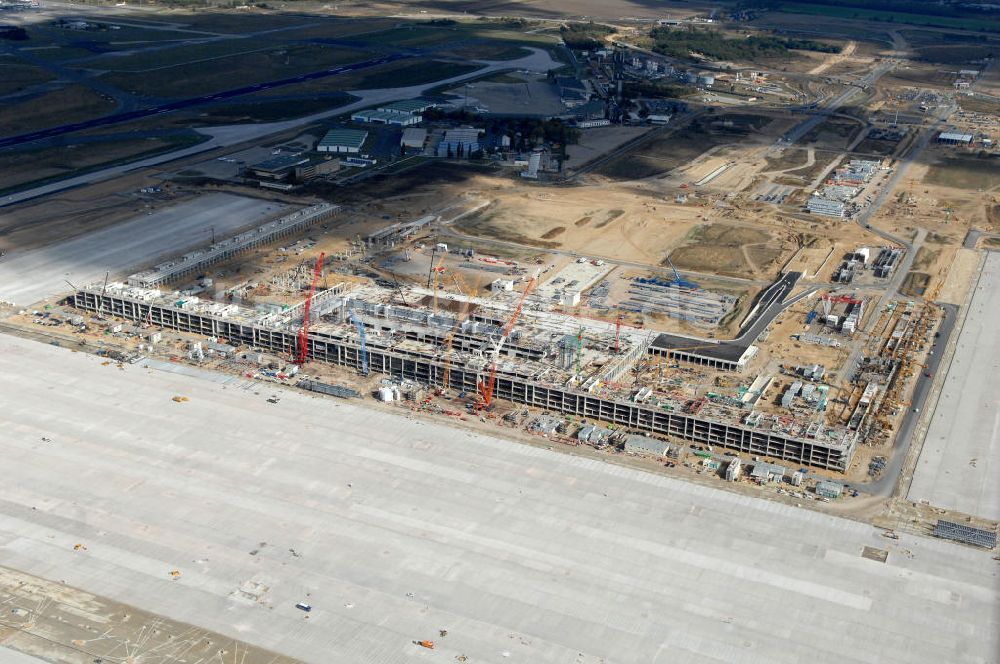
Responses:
[486,389]
[303,349]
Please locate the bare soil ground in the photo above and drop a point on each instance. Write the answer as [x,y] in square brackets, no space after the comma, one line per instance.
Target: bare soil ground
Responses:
[730,250]
[605,221]
[993,215]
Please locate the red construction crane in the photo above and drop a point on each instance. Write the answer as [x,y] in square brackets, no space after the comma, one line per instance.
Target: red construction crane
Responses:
[303,349]
[486,390]
[848,299]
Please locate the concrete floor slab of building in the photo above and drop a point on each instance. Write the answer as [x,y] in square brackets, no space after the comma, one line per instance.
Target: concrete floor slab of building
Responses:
[394,528]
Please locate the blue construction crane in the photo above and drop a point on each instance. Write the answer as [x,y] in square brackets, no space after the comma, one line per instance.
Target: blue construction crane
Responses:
[678,279]
[364,346]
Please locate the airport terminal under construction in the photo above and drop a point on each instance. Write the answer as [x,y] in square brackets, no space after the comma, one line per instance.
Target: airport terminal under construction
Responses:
[512,346]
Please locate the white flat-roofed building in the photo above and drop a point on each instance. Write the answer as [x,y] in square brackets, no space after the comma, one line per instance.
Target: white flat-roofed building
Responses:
[826,207]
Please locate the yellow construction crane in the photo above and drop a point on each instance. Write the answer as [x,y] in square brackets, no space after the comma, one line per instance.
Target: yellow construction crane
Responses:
[437,271]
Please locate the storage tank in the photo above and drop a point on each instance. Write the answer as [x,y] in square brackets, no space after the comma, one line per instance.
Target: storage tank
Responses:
[385,394]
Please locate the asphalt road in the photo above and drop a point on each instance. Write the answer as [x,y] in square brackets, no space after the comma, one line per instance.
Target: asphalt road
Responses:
[234,135]
[822,113]
[886,482]
[194,101]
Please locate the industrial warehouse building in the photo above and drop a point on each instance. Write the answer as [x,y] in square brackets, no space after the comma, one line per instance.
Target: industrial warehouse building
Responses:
[374,116]
[460,142]
[414,138]
[343,140]
[409,106]
[952,138]
[403,113]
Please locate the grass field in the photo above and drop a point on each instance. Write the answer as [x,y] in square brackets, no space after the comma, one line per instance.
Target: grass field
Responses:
[163,58]
[928,75]
[23,168]
[393,74]
[957,54]
[970,173]
[890,17]
[265,110]
[413,72]
[836,134]
[57,53]
[70,104]
[230,22]
[664,154]
[491,51]
[873,146]
[338,28]
[978,104]
[232,72]
[104,38]
[17,76]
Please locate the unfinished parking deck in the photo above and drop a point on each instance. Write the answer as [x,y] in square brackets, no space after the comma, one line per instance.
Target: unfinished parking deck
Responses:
[393,529]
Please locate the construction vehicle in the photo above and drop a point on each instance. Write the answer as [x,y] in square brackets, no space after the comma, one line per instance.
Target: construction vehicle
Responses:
[303,339]
[679,280]
[486,389]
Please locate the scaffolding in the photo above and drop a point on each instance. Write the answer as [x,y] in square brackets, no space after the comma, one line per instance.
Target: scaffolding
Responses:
[410,344]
